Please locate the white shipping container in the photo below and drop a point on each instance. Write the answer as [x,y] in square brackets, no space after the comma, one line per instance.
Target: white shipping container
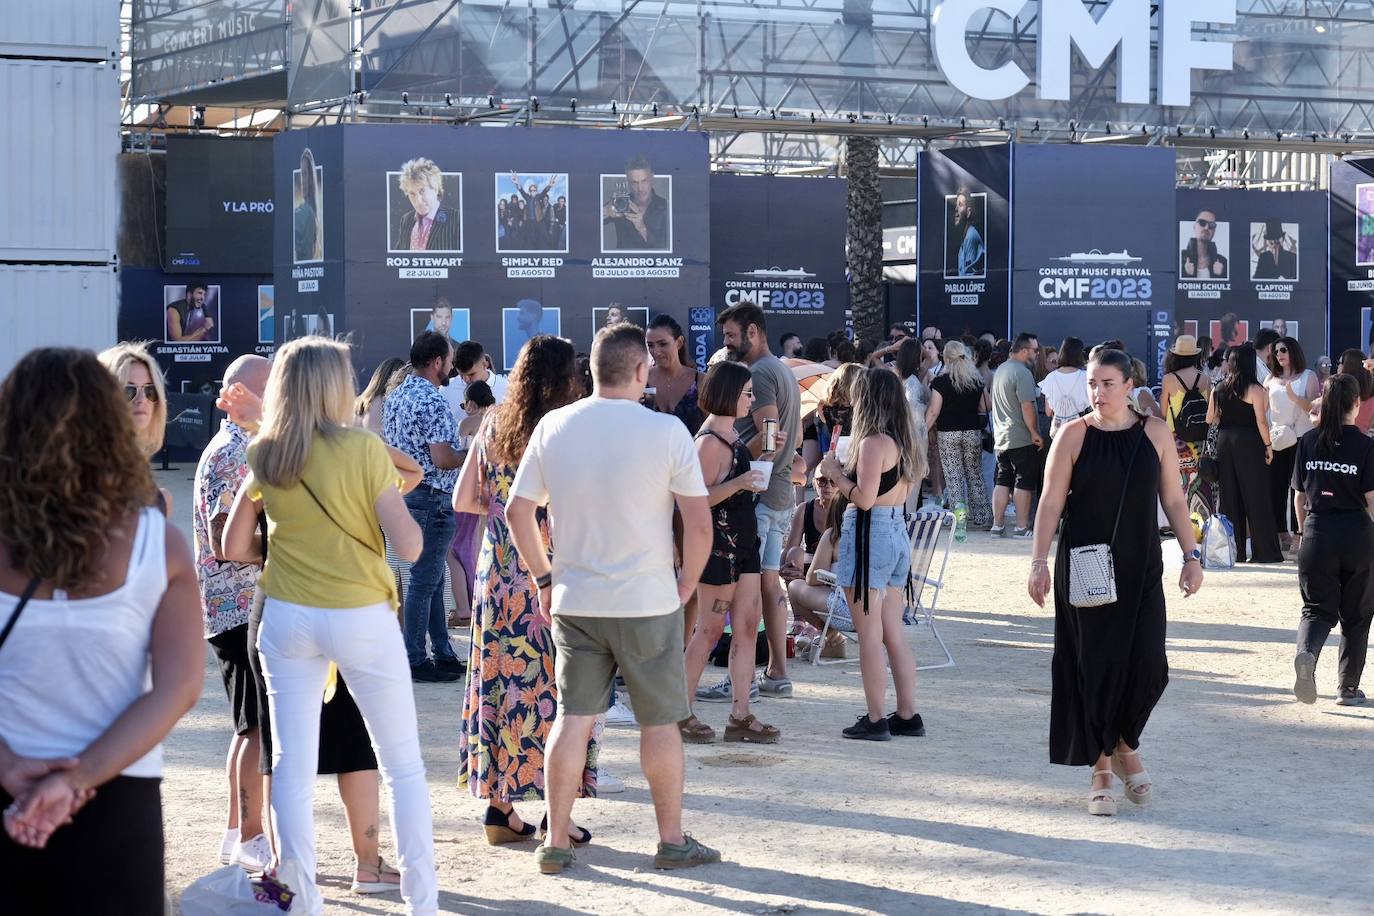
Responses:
[58,152]
[58,307]
[80,29]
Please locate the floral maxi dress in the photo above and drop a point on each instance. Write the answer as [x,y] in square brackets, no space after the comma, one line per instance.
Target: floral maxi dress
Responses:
[510,700]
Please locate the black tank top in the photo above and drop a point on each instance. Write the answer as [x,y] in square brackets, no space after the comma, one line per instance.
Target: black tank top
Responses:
[739,452]
[1236,413]
[811,535]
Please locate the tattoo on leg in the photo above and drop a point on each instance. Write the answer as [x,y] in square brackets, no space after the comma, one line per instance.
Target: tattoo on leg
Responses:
[371,832]
[243,803]
[721,607]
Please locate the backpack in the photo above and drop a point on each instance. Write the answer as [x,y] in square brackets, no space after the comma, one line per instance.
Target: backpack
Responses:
[1190,420]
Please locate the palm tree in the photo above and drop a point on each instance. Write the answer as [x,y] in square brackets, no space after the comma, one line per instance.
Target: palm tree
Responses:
[864,240]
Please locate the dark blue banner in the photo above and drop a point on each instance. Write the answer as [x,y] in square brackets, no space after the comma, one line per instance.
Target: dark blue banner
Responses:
[962,283]
[1093,256]
[1249,260]
[779,244]
[491,235]
[1352,255]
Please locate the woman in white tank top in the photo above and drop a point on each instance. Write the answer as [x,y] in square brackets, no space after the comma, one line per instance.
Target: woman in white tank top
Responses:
[100,652]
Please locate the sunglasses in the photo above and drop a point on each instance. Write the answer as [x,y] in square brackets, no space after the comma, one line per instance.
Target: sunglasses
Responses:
[149,392]
[1280,349]
[824,482]
[894,338]
[1207,223]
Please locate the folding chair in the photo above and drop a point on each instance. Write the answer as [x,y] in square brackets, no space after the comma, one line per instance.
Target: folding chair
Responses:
[927,529]
[837,601]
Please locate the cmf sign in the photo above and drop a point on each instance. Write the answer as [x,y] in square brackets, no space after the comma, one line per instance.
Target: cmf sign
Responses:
[1063,24]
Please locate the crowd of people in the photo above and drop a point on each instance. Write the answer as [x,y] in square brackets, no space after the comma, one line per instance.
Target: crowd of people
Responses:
[332,530]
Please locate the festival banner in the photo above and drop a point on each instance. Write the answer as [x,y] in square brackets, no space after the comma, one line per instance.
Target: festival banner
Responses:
[962,283]
[779,244]
[490,235]
[1351,221]
[1094,254]
[1249,260]
[219,205]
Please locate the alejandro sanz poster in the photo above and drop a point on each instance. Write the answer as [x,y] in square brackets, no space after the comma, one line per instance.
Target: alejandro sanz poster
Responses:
[1094,254]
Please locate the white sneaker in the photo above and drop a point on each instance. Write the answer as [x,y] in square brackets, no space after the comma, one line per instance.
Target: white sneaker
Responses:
[226,845]
[255,855]
[607,783]
[620,714]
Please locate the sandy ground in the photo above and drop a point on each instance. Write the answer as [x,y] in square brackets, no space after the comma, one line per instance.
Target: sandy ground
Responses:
[1263,804]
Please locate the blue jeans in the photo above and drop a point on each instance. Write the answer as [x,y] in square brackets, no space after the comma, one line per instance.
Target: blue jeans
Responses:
[424,602]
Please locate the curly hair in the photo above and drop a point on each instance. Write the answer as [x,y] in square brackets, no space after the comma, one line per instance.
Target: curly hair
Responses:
[70,465]
[544,379]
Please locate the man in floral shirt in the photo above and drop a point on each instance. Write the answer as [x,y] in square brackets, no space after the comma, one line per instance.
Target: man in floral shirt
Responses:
[416,420]
[226,594]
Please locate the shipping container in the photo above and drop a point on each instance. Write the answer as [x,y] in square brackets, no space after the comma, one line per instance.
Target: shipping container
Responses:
[58,156]
[66,29]
[56,306]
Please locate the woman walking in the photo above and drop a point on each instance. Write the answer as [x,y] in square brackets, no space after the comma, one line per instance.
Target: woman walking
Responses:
[1240,409]
[1292,389]
[101,648]
[331,598]
[1108,472]
[731,485]
[958,405]
[1065,388]
[511,701]
[1334,479]
[874,558]
[1184,393]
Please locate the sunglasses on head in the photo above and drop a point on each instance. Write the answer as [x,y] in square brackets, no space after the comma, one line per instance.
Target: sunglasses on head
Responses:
[149,392]
[1207,223]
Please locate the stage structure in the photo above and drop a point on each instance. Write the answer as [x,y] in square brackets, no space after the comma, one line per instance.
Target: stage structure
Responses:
[779,85]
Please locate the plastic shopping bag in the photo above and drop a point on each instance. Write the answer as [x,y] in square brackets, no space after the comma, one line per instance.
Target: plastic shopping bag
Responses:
[229,892]
[1218,543]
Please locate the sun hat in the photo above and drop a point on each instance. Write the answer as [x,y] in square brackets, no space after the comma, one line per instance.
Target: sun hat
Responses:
[1185,345]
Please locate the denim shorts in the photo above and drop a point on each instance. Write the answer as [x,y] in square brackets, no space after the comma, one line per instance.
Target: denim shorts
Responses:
[773,525]
[889,548]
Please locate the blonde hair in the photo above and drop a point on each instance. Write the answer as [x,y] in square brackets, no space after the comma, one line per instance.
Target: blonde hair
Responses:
[959,368]
[841,383]
[880,408]
[1138,373]
[119,359]
[419,172]
[309,391]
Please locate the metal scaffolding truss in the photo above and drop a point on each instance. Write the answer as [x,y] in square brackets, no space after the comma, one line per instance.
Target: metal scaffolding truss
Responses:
[779,82]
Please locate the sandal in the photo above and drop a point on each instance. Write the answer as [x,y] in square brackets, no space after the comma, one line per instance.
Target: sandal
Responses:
[1102,802]
[496,825]
[1139,788]
[388,879]
[751,731]
[695,731]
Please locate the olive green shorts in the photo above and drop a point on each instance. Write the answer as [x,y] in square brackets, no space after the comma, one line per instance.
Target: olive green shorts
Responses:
[648,651]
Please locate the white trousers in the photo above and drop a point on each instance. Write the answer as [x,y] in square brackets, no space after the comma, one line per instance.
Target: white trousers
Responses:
[297,643]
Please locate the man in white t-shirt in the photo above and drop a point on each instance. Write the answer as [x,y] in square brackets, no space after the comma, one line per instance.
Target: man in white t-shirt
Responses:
[472,365]
[611,472]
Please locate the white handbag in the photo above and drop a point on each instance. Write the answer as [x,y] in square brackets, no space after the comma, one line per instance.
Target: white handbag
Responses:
[1092,571]
[1282,436]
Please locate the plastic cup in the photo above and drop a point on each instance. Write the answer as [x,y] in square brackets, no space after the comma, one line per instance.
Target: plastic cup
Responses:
[763,473]
[842,448]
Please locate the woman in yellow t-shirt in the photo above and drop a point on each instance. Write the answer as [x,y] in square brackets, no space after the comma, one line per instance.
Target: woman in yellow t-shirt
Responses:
[329,491]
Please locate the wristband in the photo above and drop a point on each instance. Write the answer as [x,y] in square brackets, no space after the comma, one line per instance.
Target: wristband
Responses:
[1037,562]
[543,581]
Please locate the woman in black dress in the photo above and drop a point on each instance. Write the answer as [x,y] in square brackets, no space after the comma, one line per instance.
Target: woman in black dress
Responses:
[1239,408]
[1107,472]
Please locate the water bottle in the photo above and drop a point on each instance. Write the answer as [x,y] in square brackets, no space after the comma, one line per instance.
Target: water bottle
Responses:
[960,522]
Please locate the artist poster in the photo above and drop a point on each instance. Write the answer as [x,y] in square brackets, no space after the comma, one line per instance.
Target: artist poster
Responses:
[1095,251]
[962,283]
[779,243]
[1249,260]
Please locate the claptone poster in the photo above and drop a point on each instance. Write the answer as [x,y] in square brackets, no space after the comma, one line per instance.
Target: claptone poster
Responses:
[1352,254]
[1095,246]
[779,243]
[964,255]
[1250,260]
[497,235]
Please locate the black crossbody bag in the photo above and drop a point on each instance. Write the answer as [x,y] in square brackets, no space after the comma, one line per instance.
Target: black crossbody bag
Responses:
[329,515]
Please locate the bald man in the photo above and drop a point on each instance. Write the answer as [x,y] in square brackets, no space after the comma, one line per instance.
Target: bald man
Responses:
[226,594]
